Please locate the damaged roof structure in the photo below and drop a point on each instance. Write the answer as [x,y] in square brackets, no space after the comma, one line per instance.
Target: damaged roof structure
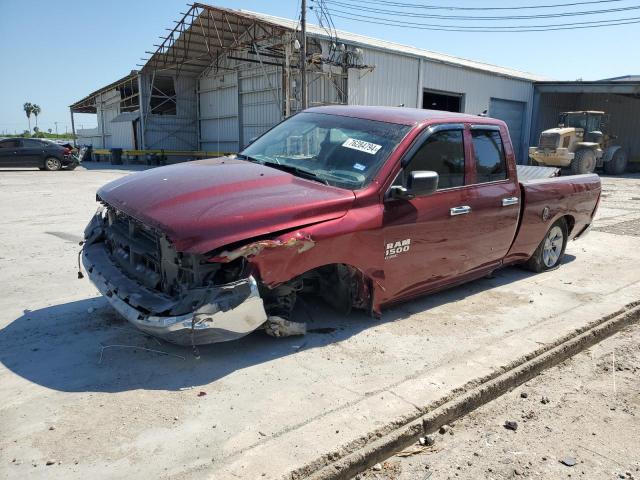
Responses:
[221,77]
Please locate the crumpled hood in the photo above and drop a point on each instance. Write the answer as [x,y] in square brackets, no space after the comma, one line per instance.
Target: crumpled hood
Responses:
[208,204]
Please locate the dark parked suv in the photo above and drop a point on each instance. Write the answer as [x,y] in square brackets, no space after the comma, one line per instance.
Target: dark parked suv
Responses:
[35,152]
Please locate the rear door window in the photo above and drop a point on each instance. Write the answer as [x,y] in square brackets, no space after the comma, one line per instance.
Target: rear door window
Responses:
[28,143]
[489,155]
[10,144]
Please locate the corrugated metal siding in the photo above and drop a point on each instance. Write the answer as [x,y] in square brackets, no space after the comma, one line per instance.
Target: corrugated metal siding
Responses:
[89,136]
[393,81]
[260,101]
[624,113]
[513,114]
[396,80]
[316,31]
[478,87]
[239,105]
[172,132]
[122,135]
[219,126]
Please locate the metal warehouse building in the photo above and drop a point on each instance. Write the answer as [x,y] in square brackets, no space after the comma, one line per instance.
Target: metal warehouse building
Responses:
[222,77]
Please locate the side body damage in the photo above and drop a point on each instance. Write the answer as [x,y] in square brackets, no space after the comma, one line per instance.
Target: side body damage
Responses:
[194,299]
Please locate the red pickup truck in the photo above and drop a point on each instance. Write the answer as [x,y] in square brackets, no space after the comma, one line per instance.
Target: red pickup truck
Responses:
[363,206]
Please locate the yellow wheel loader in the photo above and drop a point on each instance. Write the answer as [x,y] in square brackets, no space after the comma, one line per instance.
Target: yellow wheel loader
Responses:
[581,143]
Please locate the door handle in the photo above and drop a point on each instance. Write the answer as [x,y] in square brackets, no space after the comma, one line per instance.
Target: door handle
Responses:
[510,201]
[463,210]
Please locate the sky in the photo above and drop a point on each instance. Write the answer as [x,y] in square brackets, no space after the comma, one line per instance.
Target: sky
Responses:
[56,52]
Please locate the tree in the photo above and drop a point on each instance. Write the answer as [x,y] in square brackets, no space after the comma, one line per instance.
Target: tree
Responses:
[28,110]
[35,109]
[49,130]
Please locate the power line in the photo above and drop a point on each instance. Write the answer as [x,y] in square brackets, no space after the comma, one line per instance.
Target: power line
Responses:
[355,5]
[496,27]
[468,29]
[522,7]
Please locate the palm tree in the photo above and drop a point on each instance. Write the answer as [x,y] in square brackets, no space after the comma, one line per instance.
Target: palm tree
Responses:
[35,109]
[28,109]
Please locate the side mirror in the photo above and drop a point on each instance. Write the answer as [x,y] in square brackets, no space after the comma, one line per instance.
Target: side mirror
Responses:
[419,184]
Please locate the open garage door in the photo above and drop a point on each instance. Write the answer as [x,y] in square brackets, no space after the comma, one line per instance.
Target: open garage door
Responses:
[511,113]
[619,98]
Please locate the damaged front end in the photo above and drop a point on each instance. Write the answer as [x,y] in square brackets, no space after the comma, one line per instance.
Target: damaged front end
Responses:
[182,298]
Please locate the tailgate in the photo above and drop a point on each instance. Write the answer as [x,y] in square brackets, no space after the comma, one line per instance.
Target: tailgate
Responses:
[546,200]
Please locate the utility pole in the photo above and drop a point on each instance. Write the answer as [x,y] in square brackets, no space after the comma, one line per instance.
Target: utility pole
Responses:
[303,54]
[56,127]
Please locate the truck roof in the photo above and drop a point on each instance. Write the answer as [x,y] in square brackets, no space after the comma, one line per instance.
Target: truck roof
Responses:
[401,115]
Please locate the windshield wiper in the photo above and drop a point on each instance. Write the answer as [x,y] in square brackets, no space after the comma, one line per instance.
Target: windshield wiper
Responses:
[300,172]
[242,156]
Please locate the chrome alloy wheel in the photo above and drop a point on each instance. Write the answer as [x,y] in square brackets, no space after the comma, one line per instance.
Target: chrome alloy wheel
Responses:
[552,246]
[52,163]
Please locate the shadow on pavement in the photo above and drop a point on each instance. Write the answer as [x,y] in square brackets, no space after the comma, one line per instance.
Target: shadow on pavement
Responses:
[60,347]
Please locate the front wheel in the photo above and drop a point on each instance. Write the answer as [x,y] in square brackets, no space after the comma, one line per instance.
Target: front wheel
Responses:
[52,164]
[618,163]
[583,162]
[549,253]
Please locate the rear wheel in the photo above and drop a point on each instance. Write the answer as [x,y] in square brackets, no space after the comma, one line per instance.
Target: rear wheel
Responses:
[549,253]
[583,162]
[52,164]
[618,163]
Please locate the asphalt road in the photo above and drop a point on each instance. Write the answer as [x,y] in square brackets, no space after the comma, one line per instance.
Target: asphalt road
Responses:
[75,395]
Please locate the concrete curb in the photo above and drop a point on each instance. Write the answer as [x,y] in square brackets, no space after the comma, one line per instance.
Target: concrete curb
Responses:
[345,462]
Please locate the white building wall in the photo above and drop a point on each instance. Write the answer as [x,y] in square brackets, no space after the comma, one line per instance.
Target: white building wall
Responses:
[393,81]
[108,134]
[478,87]
[89,136]
[238,103]
[400,79]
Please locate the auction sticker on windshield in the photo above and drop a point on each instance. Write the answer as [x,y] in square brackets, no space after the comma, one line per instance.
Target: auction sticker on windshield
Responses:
[362,146]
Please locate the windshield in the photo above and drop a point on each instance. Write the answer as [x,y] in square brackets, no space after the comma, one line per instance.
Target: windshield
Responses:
[341,151]
[575,120]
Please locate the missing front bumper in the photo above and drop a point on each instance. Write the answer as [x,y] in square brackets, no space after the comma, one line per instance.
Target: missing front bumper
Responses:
[224,312]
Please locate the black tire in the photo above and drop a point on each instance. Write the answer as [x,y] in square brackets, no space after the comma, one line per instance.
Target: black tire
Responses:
[71,167]
[541,261]
[618,163]
[52,164]
[583,162]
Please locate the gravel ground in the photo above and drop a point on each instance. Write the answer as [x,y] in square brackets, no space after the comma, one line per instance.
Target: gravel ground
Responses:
[585,410]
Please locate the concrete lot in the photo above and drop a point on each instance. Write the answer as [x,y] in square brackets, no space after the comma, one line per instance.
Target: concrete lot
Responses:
[259,407]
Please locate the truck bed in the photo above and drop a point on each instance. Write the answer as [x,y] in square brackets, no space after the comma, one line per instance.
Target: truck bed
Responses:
[530,172]
[545,200]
